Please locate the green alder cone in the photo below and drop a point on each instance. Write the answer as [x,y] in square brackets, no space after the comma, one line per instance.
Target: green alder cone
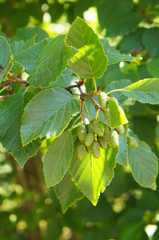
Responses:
[120,130]
[106,133]
[88,149]
[97,129]
[132,142]
[95,149]
[81,151]
[81,132]
[89,139]
[89,128]
[113,139]
[102,142]
[103,99]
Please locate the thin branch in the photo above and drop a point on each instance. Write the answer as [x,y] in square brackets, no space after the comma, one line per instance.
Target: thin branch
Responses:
[5,83]
[6,96]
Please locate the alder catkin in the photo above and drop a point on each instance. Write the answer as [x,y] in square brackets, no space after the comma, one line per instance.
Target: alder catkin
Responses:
[81,151]
[81,132]
[103,99]
[102,142]
[95,149]
[89,139]
[106,133]
[132,142]
[113,139]
[97,129]
[120,130]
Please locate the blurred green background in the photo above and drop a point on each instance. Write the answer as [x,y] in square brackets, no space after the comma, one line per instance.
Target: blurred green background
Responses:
[30,211]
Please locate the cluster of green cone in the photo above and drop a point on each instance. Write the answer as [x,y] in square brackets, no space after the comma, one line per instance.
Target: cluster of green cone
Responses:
[92,138]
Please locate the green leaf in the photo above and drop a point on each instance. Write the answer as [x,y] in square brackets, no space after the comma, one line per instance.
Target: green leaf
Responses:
[67,192]
[48,113]
[11,111]
[150,40]
[152,67]
[143,164]
[5,71]
[117,115]
[122,157]
[132,42]
[58,158]
[93,175]
[18,46]
[122,24]
[90,60]
[106,10]
[145,91]
[28,57]
[31,32]
[51,62]
[122,99]
[5,55]
[114,55]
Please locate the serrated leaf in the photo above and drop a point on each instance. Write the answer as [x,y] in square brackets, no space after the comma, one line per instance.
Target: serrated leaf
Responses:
[152,67]
[28,57]
[93,175]
[145,91]
[5,71]
[144,165]
[114,55]
[122,99]
[58,158]
[90,60]
[11,111]
[31,32]
[150,42]
[48,113]
[67,192]
[5,55]
[122,157]
[122,24]
[51,62]
[117,115]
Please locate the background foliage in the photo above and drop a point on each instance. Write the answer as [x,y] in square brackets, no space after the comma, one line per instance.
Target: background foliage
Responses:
[125,211]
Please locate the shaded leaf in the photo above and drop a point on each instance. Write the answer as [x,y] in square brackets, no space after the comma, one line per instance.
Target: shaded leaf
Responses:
[5,56]
[48,113]
[58,158]
[28,57]
[30,32]
[143,164]
[145,91]
[122,157]
[114,55]
[67,192]
[11,111]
